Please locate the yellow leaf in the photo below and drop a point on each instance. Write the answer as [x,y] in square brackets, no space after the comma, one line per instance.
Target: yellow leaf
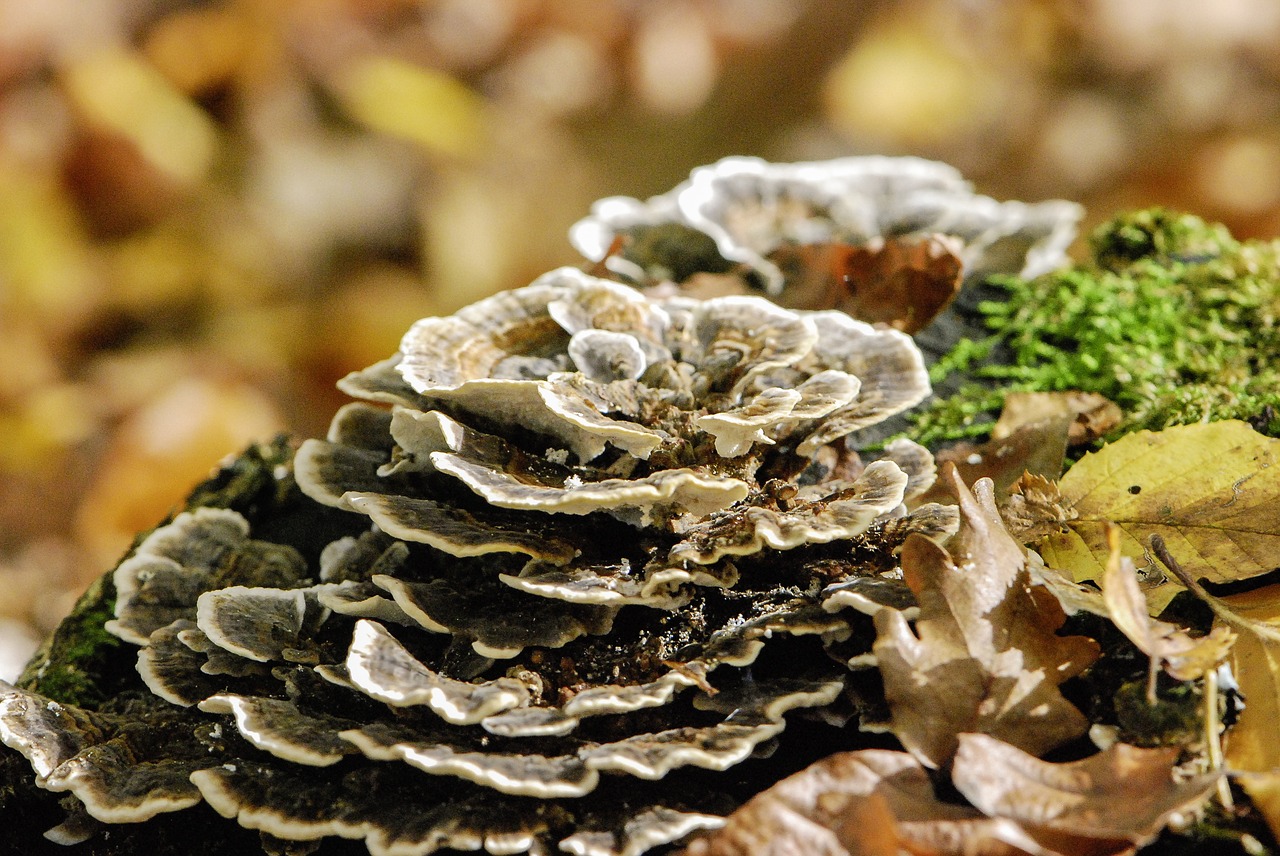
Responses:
[1251,745]
[414,103]
[120,91]
[1264,790]
[45,267]
[1185,658]
[1210,490]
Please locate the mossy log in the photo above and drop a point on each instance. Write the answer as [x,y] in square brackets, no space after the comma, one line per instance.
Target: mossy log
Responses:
[82,664]
[1150,255]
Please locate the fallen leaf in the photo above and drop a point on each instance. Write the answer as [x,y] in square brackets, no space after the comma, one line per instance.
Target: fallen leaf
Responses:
[1109,803]
[415,103]
[1073,596]
[1210,490]
[1250,745]
[1090,415]
[122,93]
[881,803]
[1038,448]
[868,803]
[984,656]
[1183,657]
[1264,791]
[1035,508]
[902,283]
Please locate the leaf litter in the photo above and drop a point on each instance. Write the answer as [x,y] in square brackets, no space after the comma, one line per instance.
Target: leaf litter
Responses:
[984,655]
[1211,490]
[995,757]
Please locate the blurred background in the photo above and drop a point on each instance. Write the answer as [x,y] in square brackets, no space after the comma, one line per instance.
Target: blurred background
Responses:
[211,211]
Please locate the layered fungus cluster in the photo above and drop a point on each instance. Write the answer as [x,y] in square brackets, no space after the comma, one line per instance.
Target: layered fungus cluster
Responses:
[600,547]
[885,239]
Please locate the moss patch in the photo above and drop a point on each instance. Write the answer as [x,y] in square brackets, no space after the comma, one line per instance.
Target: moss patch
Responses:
[1172,319]
[72,665]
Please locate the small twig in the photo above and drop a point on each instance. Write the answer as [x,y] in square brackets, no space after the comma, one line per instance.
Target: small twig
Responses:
[1220,609]
[1213,737]
[1153,670]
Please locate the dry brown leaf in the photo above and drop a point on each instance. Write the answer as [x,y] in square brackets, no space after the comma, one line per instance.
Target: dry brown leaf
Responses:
[1183,657]
[1038,448]
[881,803]
[984,656]
[1090,415]
[1210,490]
[868,803]
[898,282]
[1110,803]
[1075,597]
[1035,508]
[1029,441]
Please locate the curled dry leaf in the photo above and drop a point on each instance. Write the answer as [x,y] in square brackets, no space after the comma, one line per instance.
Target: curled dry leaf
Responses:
[1031,438]
[1035,508]
[881,803]
[1169,647]
[1210,490]
[1038,448]
[868,803]
[899,282]
[984,656]
[1109,803]
[1091,415]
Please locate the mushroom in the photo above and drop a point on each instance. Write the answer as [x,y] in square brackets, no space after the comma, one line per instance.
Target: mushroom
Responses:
[582,550]
[750,208]
[585,542]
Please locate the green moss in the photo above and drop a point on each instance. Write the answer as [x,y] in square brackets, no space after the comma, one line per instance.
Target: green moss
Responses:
[1173,320]
[69,666]
[969,413]
[1157,233]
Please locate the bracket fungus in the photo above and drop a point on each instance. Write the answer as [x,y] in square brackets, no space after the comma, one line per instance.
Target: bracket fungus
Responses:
[596,546]
[746,209]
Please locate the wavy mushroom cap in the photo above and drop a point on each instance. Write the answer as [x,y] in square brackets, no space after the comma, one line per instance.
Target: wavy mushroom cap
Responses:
[743,209]
[677,424]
